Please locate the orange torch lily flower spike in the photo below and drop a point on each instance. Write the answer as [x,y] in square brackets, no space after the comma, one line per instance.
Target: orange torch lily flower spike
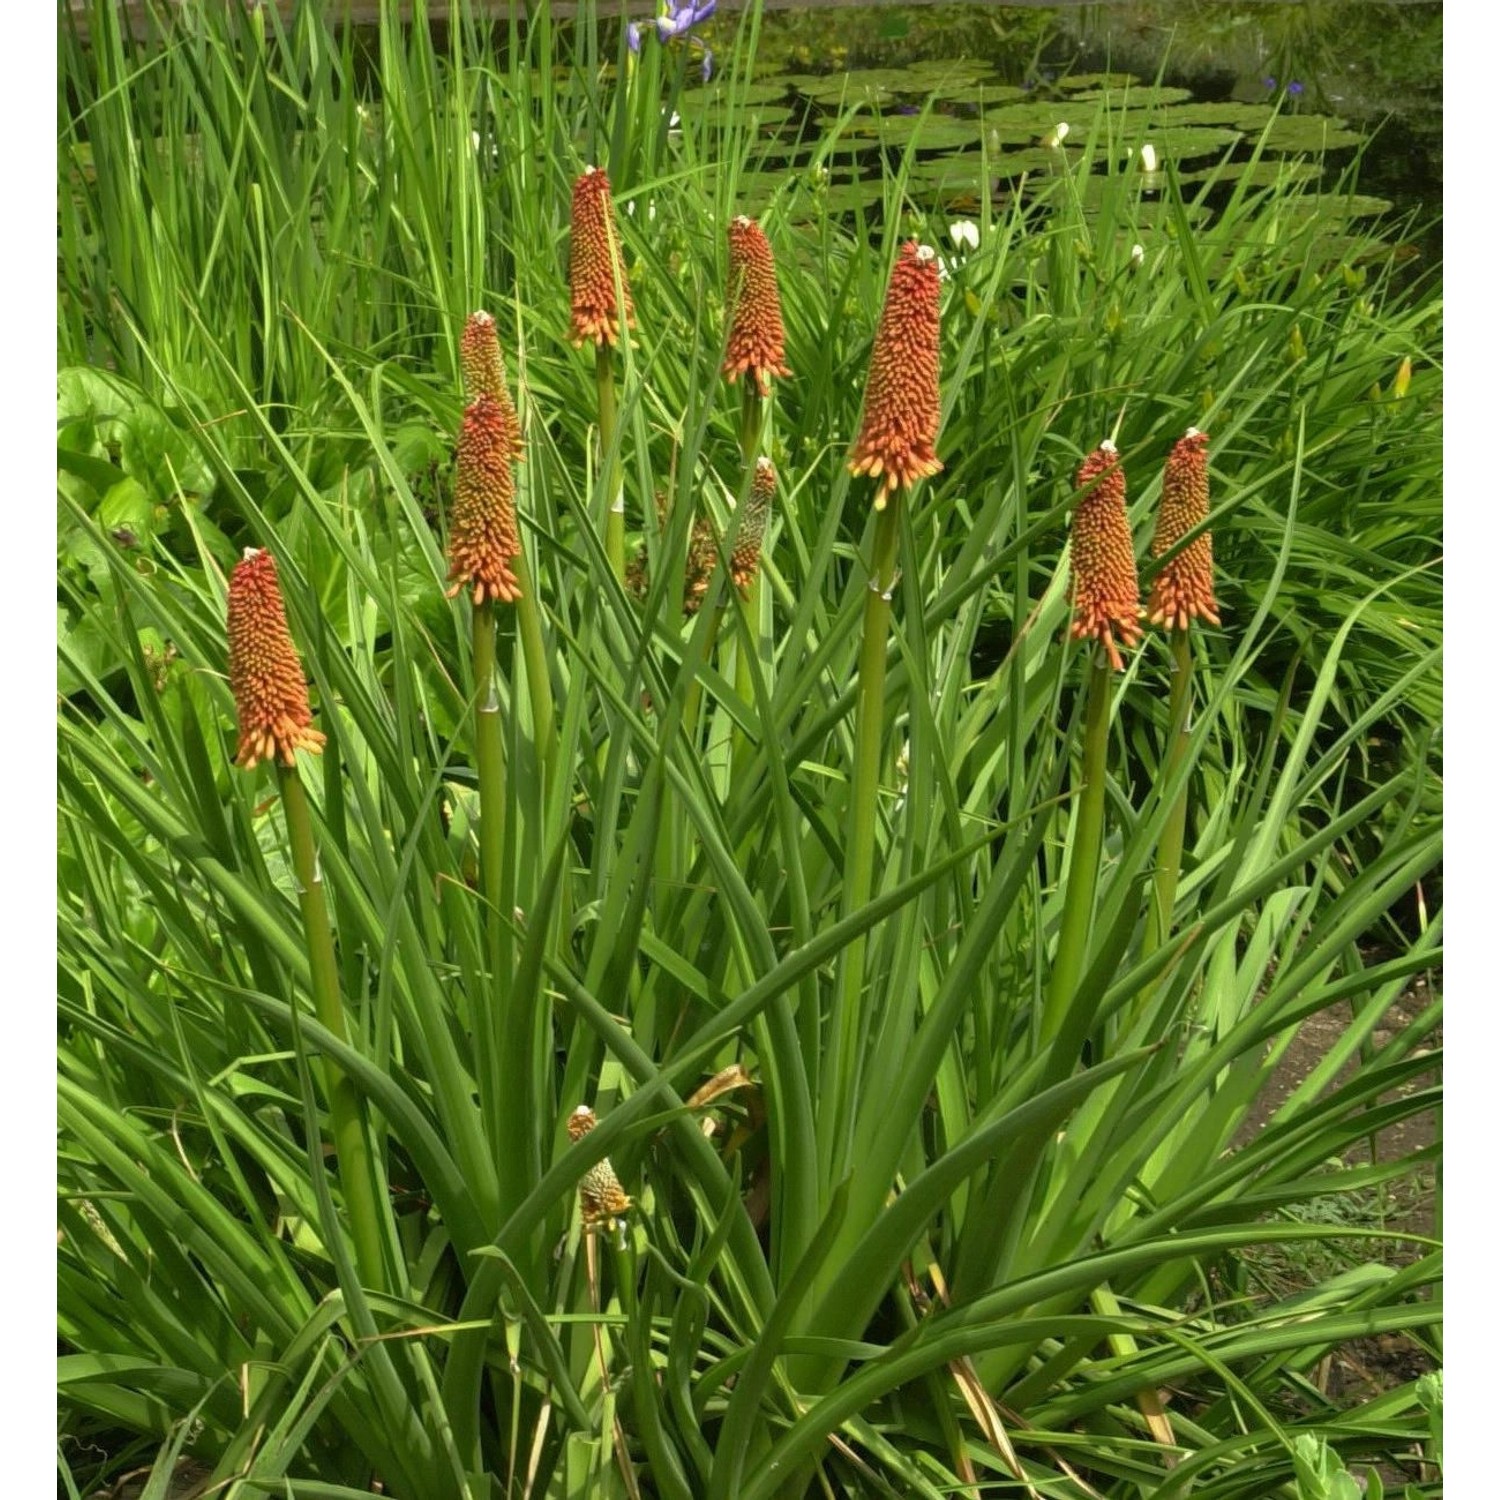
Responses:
[1184,588]
[593,260]
[265,672]
[1106,593]
[756,336]
[896,442]
[484,370]
[602,1198]
[483,539]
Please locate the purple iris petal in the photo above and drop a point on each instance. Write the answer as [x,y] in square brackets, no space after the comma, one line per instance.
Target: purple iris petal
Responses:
[703,11]
[1294,87]
[708,65]
[633,37]
[1270,83]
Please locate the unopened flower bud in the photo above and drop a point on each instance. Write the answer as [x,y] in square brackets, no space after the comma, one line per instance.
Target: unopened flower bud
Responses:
[602,1198]
[484,370]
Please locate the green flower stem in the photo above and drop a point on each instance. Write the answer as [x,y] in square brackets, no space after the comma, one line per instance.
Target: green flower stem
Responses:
[356,1167]
[614,519]
[1084,857]
[501,1105]
[841,1057]
[538,681]
[1169,850]
[748,642]
[752,419]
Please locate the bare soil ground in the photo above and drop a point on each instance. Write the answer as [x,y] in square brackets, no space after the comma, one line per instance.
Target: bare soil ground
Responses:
[1364,1368]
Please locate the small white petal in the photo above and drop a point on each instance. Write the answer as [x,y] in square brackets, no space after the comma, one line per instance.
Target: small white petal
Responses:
[964,232]
[1148,157]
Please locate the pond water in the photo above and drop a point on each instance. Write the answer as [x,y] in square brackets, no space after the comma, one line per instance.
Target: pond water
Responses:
[1306,88]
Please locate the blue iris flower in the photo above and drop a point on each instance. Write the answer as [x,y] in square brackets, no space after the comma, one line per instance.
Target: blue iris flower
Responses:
[676,24]
[1294,88]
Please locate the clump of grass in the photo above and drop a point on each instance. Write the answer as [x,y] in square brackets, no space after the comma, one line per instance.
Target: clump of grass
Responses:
[920,1175]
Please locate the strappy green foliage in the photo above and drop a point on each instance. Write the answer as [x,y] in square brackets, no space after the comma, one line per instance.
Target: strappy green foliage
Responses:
[945,1256]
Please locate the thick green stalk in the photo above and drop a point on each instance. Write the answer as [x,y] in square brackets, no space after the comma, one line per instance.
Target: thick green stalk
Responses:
[356,1168]
[503,1092]
[752,419]
[1169,850]
[748,641]
[1084,857]
[609,460]
[538,682]
[841,1052]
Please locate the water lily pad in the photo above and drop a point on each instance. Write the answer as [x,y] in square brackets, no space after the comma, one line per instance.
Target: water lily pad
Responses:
[962,173]
[982,94]
[1183,143]
[866,83]
[1098,81]
[1153,216]
[844,151]
[1309,133]
[1038,116]
[717,112]
[1344,249]
[1230,112]
[1257,174]
[772,92]
[948,69]
[755,190]
[934,133]
[1339,206]
[840,197]
[1041,160]
[1142,96]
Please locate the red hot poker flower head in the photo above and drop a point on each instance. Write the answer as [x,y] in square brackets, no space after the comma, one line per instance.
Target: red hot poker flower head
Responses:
[745,558]
[1184,588]
[484,370]
[1106,594]
[265,673]
[756,337]
[594,256]
[483,539]
[896,440]
[602,1198]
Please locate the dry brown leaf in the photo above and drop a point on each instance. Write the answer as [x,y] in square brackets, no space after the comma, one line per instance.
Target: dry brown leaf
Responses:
[723,1082]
